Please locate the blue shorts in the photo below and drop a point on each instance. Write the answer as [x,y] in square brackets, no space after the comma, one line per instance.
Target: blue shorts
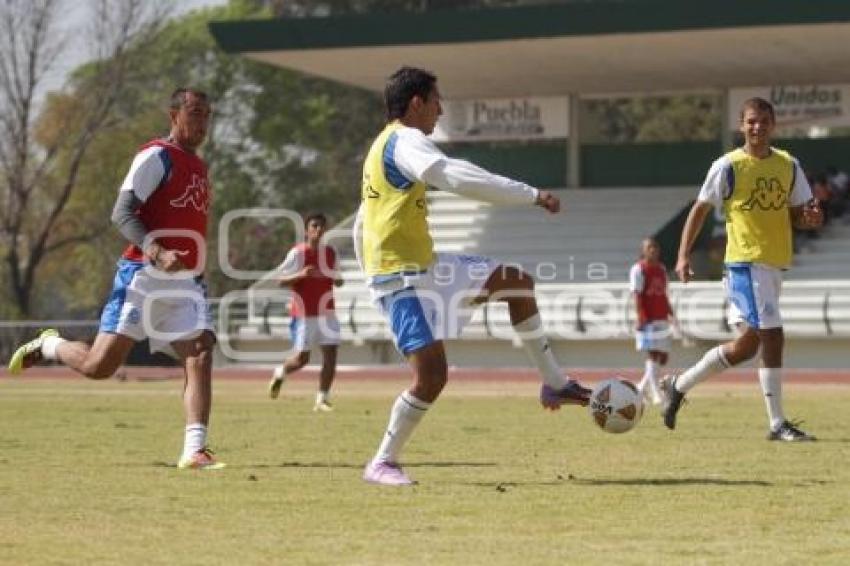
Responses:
[411,318]
[753,291]
[424,307]
[653,337]
[311,331]
[147,303]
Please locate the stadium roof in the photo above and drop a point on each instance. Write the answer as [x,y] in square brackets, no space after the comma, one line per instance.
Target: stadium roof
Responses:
[603,46]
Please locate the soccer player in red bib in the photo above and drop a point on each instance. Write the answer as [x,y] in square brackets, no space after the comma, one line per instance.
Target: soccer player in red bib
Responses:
[648,284]
[309,270]
[158,291]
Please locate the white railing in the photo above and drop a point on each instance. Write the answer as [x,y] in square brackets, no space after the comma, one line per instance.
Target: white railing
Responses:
[572,311]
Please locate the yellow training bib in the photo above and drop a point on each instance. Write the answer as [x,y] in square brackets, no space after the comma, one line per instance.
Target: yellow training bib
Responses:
[395,211]
[758,222]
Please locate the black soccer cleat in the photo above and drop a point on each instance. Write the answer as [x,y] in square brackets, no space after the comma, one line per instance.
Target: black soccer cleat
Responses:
[673,402]
[788,432]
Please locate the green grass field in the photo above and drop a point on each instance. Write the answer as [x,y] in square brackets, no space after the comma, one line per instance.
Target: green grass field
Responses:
[87,477]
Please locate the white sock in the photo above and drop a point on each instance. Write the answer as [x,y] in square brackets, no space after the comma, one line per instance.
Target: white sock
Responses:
[713,362]
[649,384]
[195,439]
[771,386]
[322,397]
[49,345]
[406,413]
[536,345]
[279,373]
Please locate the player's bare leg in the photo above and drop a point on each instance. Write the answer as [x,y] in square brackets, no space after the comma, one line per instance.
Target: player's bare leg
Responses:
[430,374]
[516,288]
[196,355]
[326,379]
[290,365]
[97,361]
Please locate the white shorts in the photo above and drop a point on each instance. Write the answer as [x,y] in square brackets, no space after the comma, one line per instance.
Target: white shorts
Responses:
[435,304]
[753,291]
[162,308]
[653,337]
[311,331]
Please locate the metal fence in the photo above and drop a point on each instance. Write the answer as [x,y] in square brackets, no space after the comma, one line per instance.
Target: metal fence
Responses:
[810,309]
[573,311]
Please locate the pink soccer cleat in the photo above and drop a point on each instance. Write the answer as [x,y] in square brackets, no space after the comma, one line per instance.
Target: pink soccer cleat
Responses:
[386,473]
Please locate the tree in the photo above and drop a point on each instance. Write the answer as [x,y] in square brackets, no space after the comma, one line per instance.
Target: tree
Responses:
[40,160]
[279,139]
[669,118]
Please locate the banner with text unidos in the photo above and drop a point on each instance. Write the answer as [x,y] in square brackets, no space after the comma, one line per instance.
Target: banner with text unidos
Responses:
[798,105]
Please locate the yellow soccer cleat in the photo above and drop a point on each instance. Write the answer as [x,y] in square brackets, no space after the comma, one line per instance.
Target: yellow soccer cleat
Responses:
[201,460]
[30,353]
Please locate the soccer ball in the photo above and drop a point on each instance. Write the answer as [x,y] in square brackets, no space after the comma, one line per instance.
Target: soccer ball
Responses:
[616,405]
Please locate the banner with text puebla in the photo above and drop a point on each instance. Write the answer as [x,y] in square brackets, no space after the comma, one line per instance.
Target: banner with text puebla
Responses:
[528,118]
[798,105]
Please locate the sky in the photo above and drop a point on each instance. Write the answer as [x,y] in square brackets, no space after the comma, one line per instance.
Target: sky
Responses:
[74,24]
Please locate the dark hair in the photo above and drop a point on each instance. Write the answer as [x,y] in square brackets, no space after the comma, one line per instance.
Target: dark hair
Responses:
[403,85]
[651,240]
[178,97]
[316,216]
[759,104]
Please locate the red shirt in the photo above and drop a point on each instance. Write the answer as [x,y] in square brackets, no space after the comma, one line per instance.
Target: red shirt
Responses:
[652,302]
[314,293]
[181,202]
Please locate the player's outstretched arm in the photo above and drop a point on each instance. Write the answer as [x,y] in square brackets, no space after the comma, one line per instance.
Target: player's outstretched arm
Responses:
[693,225]
[418,158]
[469,180]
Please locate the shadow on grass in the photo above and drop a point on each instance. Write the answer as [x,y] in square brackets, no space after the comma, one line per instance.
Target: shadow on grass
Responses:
[506,485]
[344,465]
[450,465]
[665,482]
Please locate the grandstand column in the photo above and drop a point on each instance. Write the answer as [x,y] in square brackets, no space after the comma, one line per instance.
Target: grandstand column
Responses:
[573,143]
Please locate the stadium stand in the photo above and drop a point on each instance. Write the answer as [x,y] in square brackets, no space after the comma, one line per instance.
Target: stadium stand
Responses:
[827,257]
[579,302]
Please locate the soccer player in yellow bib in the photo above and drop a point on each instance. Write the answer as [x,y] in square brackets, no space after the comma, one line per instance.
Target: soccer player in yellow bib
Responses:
[763,193]
[427,296]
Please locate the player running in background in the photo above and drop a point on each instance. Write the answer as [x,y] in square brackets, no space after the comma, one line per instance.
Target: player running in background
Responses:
[763,192]
[310,271]
[396,252]
[648,284]
[158,290]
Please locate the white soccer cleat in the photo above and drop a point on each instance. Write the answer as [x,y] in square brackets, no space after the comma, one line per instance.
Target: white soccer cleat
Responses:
[653,392]
[203,459]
